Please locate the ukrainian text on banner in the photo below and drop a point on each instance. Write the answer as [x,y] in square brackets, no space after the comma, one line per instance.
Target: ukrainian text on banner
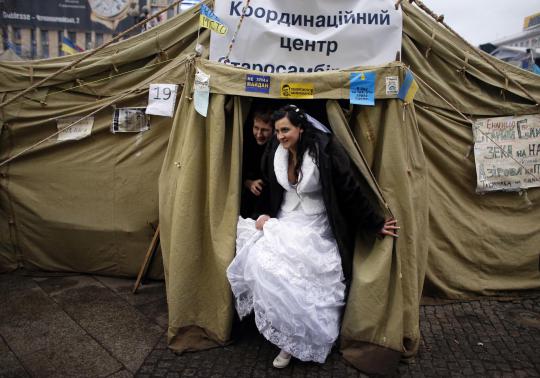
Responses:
[308,35]
[507,153]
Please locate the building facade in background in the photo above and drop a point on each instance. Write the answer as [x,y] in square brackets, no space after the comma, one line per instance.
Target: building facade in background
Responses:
[36,29]
[521,49]
[528,38]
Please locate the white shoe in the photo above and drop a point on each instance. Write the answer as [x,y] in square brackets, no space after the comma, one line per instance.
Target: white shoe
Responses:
[282,361]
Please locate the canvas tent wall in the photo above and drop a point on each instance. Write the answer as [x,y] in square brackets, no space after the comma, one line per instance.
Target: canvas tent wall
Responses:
[88,205]
[85,205]
[478,244]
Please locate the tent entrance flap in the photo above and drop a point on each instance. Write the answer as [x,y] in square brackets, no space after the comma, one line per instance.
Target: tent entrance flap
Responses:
[200,192]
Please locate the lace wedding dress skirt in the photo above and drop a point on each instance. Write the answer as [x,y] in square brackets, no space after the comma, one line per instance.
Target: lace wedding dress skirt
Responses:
[290,275]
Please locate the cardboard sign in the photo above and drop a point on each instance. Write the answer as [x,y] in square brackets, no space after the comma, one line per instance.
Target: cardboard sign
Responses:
[507,153]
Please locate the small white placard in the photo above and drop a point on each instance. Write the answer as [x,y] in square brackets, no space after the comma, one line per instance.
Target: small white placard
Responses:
[201,92]
[81,128]
[392,85]
[161,99]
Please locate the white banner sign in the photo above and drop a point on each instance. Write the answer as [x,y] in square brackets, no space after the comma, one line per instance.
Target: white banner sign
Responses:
[287,36]
[161,99]
[507,153]
[81,128]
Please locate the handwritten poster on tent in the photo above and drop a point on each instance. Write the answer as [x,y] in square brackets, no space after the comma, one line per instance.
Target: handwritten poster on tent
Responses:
[74,128]
[286,36]
[507,153]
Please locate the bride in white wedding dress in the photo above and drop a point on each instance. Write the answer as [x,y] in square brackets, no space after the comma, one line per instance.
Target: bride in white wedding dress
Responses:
[288,268]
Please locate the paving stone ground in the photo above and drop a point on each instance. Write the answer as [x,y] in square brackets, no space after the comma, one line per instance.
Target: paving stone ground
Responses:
[486,338]
[77,325]
[89,326]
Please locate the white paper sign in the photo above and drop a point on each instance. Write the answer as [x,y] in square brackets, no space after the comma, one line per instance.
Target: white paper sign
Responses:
[392,85]
[507,153]
[201,92]
[309,35]
[187,4]
[161,99]
[81,128]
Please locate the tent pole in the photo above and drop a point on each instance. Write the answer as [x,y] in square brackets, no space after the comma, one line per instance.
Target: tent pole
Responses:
[147,259]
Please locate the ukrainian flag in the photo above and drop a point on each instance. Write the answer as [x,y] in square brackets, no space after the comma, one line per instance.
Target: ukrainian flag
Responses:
[409,88]
[210,21]
[69,47]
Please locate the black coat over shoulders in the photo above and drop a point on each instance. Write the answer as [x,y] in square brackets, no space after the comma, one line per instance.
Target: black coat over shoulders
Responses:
[251,170]
[344,195]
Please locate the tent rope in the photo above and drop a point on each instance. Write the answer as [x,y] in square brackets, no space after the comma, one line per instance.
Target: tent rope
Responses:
[110,103]
[463,70]
[85,83]
[431,41]
[86,56]
[440,19]
[471,122]
[528,202]
[81,83]
[233,40]
[441,97]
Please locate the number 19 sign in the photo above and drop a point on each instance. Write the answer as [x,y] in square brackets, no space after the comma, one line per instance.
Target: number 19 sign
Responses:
[161,99]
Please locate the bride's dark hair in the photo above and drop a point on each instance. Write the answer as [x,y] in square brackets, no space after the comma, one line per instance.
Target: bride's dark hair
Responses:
[307,140]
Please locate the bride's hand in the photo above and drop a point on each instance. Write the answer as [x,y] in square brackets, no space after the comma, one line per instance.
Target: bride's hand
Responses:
[261,221]
[390,228]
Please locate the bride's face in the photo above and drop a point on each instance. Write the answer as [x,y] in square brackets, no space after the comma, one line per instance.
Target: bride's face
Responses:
[287,133]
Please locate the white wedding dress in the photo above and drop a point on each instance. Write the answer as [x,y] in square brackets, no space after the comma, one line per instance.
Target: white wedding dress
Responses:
[290,273]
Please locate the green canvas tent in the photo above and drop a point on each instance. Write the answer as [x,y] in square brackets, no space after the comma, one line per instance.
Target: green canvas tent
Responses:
[89,205]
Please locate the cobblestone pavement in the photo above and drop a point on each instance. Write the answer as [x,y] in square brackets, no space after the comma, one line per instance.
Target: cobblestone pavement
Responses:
[89,326]
[486,338]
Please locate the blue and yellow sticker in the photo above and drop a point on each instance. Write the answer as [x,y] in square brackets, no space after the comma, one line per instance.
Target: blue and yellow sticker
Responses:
[296,90]
[362,88]
[257,83]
